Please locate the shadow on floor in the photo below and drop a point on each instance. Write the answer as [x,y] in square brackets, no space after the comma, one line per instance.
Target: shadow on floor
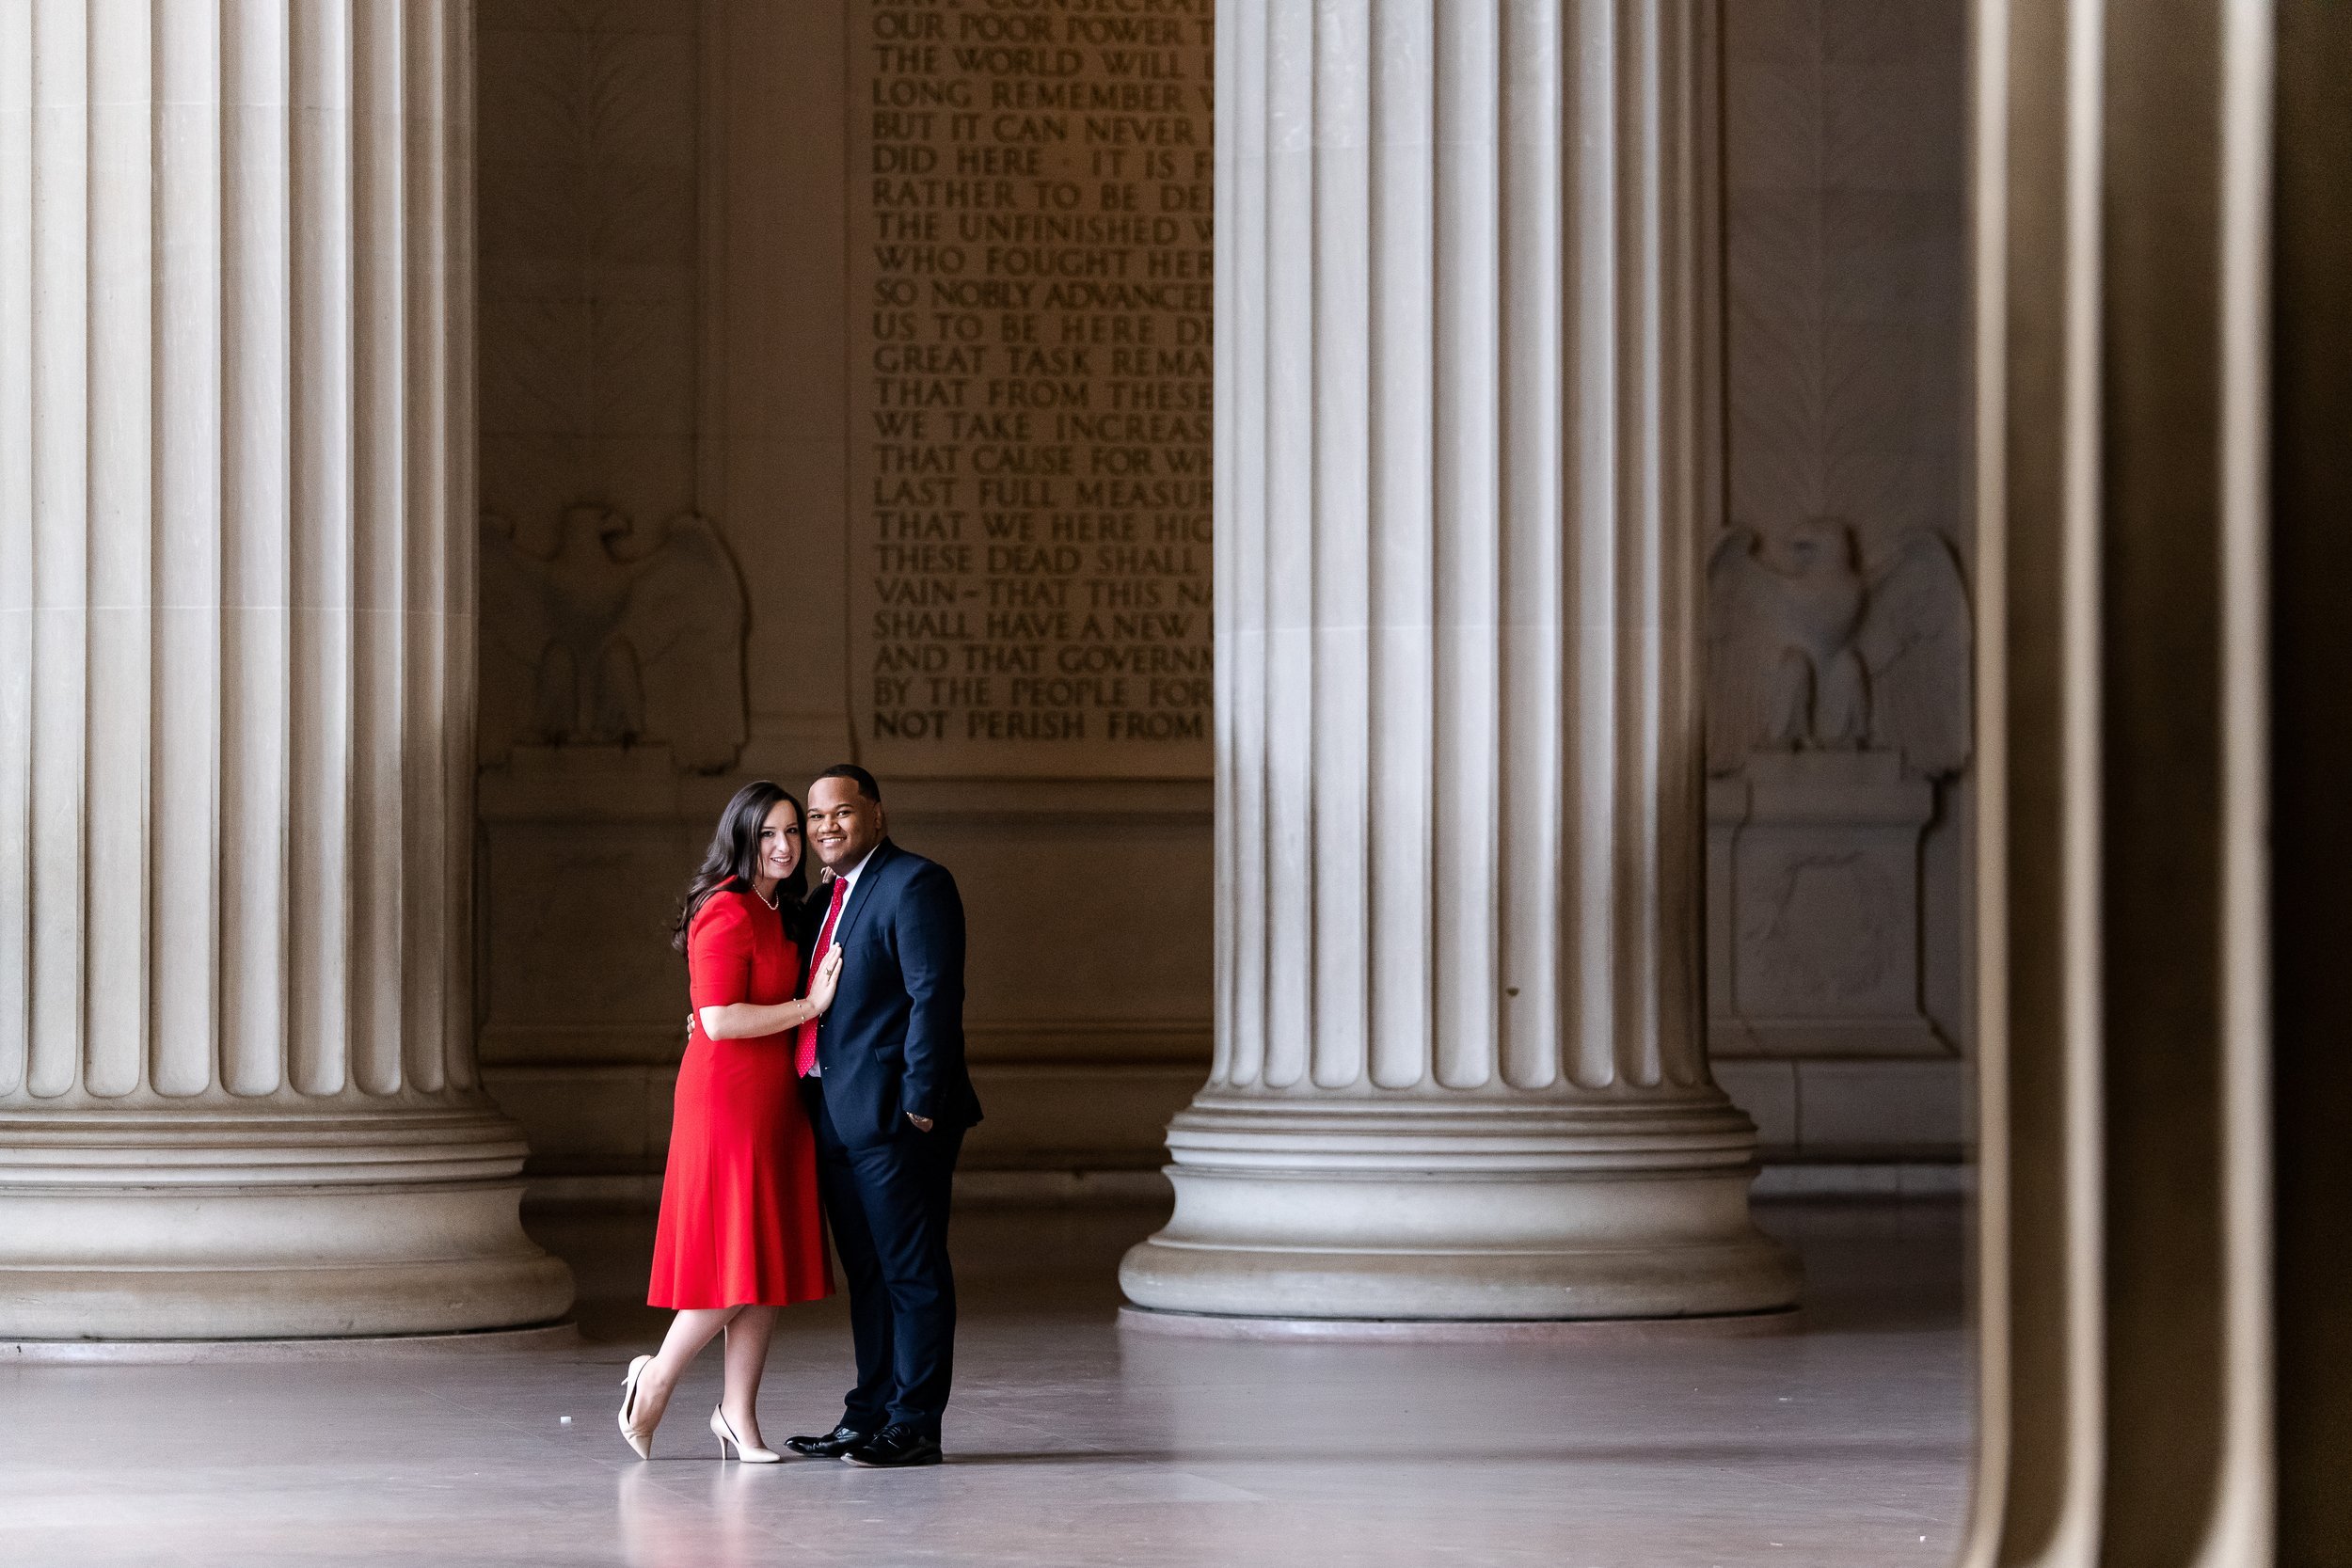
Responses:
[1872,1265]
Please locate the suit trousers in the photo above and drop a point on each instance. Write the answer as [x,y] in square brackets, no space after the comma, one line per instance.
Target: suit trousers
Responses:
[887,1204]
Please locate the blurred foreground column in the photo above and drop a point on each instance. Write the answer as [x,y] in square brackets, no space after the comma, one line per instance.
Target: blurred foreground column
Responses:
[1464,419]
[237,1093]
[2166,385]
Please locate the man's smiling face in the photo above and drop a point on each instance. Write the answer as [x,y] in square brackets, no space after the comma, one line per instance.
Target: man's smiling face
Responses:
[844,824]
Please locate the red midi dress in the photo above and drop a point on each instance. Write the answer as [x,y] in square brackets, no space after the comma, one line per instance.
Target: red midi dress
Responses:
[740,1224]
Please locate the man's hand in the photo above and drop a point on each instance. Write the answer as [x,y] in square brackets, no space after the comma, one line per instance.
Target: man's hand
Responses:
[922,1124]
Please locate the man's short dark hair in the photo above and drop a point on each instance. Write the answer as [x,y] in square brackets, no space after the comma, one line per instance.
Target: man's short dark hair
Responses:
[856,775]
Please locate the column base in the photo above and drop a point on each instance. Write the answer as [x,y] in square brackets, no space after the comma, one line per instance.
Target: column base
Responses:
[181,1225]
[1464,1211]
[560,1338]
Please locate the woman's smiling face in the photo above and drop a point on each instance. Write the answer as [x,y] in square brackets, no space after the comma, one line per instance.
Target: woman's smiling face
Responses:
[780,842]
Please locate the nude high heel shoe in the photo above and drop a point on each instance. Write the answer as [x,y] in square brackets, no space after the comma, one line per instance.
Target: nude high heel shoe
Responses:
[724,1431]
[642,1442]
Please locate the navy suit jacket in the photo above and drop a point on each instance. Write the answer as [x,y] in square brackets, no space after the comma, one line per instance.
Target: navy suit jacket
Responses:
[892,1044]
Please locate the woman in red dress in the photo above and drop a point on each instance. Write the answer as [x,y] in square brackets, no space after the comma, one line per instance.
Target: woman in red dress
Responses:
[741,1232]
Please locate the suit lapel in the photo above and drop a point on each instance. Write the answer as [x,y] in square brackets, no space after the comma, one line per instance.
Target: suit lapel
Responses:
[863,895]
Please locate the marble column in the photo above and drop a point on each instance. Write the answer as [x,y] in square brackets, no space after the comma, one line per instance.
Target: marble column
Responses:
[237,1090]
[2164,1294]
[1465,456]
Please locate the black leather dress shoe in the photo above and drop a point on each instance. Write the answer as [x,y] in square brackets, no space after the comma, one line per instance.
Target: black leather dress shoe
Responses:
[832,1445]
[895,1447]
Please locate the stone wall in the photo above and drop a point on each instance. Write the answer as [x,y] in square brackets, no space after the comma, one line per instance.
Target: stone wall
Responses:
[1839,963]
[701,378]
[672,360]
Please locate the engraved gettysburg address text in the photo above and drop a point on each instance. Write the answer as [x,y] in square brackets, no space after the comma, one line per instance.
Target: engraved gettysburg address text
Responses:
[1030,247]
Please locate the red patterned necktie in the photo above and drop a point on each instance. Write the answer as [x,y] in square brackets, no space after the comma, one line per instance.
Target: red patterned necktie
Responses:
[804,1053]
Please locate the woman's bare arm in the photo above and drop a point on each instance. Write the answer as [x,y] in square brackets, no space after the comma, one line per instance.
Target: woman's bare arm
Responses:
[748,1020]
[745,1021]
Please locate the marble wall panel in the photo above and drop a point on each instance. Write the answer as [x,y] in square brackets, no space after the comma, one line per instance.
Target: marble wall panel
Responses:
[1845,146]
[1847,329]
[578,964]
[1877,1110]
[1084,904]
[588,234]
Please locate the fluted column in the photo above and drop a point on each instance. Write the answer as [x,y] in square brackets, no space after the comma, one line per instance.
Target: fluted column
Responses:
[1462,439]
[237,1093]
[2164,383]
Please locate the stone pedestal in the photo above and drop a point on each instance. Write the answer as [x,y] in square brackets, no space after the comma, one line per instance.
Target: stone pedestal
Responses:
[1813,907]
[1461,433]
[237,1088]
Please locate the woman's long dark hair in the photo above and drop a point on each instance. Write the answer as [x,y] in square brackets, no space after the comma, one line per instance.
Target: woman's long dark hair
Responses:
[734,852]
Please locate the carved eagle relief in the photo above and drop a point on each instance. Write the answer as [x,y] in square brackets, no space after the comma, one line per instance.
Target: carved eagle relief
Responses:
[614,649]
[1809,651]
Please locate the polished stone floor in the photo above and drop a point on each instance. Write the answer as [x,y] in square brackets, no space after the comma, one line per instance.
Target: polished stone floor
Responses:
[1070,1443]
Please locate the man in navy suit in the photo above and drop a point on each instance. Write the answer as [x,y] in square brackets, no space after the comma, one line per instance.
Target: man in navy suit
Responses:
[889,1100]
